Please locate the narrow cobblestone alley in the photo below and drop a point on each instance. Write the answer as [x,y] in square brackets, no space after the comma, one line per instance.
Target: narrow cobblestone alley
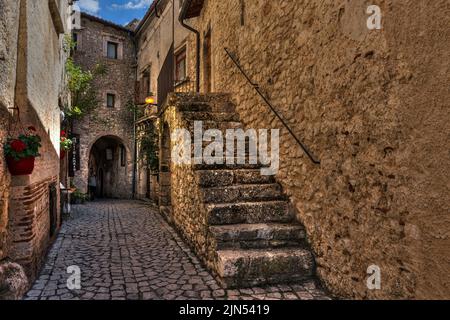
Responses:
[125,250]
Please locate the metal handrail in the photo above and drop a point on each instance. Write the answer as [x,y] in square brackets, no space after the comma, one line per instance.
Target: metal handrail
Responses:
[266,100]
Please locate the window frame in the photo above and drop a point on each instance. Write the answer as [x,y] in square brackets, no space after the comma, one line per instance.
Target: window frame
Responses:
[180,55]
[147,76]
[114,100]
[123,156]
[116,48]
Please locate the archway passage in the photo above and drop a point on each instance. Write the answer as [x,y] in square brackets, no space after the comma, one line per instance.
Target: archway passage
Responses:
[110,164]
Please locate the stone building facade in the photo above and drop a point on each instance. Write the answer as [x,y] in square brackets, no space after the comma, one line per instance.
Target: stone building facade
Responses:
[106,135]
[372,105]
[31,86]
[160,39]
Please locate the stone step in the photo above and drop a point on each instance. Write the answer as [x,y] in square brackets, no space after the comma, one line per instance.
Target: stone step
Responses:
[247,268]
[220,162]
[213,125]
[212,116]
[216,167]
[217,106]
[242,193]
[249,212]
[258,236]
[223,178]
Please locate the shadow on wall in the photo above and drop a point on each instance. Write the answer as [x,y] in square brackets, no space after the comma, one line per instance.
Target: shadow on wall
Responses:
[4,183]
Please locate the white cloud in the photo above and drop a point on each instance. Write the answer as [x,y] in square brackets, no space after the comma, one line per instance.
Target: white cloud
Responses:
[134,4]
[90,6]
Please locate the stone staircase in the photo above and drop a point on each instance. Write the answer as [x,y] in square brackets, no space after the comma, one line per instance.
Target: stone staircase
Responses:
[251,225]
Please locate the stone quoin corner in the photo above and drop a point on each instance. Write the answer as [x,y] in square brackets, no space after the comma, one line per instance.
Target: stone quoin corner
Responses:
[224,150]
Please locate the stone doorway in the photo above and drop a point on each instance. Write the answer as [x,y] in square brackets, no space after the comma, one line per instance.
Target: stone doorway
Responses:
[101,183]
[109,160]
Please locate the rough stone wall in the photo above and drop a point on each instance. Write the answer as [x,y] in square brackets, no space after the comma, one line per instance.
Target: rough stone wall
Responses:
[373,107]
[188,213]
[119,79]
[9,25]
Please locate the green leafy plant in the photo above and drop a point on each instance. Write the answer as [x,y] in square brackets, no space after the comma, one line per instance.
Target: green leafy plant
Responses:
[149,149]
[24,146]
[78,197]
[79,83]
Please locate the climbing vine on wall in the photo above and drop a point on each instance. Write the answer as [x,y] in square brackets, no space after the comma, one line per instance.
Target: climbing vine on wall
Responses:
[149,148]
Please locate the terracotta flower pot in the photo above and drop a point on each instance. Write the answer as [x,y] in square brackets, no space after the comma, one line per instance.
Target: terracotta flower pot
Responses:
[62,154]
[21,167]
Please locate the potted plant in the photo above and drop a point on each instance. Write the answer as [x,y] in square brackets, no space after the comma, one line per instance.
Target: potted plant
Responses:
[78,197]
[21,152]
[65,144]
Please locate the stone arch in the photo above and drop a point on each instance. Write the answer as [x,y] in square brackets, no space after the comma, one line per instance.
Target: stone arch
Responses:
[103,135]
[122,187]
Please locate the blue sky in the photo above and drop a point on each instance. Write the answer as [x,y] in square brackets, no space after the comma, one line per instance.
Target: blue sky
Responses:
[117,11]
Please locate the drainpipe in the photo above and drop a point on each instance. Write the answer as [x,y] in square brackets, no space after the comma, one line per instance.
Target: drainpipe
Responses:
[197,34]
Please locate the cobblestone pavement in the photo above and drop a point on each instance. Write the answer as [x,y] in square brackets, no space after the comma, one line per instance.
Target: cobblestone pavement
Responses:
[126,250]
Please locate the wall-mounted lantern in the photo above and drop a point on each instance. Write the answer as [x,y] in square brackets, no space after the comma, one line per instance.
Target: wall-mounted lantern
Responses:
[151,101]
[152,106]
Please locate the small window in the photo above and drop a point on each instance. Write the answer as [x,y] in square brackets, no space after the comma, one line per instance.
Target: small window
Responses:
[122,156]
[180,66]
[147,81]
[112,50]
[109,154]
[75,41]
[110,100]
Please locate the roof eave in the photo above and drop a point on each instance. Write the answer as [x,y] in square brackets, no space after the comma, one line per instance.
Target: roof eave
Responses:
[191,9]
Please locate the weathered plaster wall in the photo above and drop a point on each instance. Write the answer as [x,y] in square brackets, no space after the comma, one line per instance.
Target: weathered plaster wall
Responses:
[33,72]
[155,39]
[9,25]
[119,80]
[45,67]
[37,91]
[4,185]
[418,38]
[373,107]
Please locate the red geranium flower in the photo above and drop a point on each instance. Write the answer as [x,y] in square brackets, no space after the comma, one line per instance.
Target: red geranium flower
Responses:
[18,145]
[31,128]
[63,133]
